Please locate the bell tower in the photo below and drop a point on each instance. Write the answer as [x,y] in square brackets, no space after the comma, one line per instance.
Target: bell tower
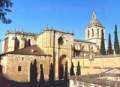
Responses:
[93,32]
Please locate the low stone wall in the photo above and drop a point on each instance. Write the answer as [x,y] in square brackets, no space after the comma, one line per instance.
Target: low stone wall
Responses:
[98,64]
[92,82]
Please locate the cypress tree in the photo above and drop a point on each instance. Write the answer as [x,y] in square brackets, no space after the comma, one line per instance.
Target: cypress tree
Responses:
[51,73]
[66,81]
[41,81]
[102,48]
[61,71]
[72,70]
[33,74]
[78,69]
[116,41]
[110,50]
[66,72]
[0,69]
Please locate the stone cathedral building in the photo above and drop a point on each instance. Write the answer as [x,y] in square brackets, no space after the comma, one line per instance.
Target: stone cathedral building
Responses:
[20,49]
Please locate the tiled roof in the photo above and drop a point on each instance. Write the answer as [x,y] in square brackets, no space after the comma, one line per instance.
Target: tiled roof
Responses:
[31,50]
[84,41]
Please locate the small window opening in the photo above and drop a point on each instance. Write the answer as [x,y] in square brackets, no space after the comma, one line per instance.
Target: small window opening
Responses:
[19,68]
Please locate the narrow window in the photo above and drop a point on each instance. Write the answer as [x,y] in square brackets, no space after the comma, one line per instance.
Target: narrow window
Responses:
[77,53]
[92,33]
[88,33]
[25,43]
[19,68]
[17,43]
[29,42]
[98,32]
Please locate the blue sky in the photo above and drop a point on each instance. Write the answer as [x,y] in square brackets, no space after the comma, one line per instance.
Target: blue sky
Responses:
[68,15]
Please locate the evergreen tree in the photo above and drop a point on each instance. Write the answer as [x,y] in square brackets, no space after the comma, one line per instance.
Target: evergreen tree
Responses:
[66,72]
[110,50]
[72,70]
[0,69]
[35,71]
[33,74]
[5,8]
[51,73]
[41,81]
[78,69]
[66,81]
[102,48]
[61,71]
[116,41]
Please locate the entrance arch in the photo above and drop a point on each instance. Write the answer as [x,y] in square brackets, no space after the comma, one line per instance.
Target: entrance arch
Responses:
[61,65]
[62,59]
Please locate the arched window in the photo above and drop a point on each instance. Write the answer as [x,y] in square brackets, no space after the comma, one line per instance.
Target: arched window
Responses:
[92,33]
[25,43]
[98,32]
[60,41]
[17,43]
[102,32]
[29,42]
[88,33]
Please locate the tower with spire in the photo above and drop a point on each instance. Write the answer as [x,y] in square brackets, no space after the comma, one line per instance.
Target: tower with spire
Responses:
[93,32]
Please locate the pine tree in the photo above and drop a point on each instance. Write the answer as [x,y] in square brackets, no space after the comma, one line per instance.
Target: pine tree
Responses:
[72,70]
[51,73]
[41,81]
[116,41]
[78,69]
[110,50]
[61,71]
[102,48]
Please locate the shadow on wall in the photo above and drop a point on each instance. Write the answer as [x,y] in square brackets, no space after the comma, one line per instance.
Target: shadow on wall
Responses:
[4,82]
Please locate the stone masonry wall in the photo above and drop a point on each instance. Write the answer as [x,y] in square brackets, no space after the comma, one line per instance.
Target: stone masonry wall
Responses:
[11,63]
[98,64]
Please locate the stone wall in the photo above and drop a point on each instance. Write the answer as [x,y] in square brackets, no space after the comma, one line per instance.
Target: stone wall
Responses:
[98,64]
[48,41]
[11,63]
[75,83]
[20,36]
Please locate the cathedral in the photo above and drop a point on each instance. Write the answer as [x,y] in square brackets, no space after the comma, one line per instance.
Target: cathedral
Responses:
[20,49]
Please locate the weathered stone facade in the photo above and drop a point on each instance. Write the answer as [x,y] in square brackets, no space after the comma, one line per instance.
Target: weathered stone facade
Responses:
[17,66]
[52,46]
